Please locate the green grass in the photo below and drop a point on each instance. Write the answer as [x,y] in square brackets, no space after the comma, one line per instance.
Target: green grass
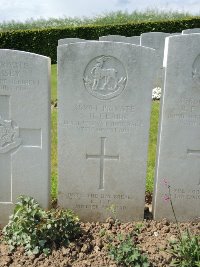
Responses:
[53,83]
[152,141]
[54,161]
[152,146]
[54,139]
[104,19]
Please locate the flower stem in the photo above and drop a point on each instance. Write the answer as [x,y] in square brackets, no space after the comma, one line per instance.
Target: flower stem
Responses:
[172,206]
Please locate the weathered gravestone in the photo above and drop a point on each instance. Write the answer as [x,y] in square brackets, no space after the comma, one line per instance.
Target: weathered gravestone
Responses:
[70,40]
[156,40]
[178,156]
[119,38]
[104,112]
[188,31]
[24,129]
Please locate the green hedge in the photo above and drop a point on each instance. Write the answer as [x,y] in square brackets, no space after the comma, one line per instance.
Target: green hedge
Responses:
[44,42]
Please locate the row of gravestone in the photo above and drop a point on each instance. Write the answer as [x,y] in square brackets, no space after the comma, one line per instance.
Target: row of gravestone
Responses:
[155,40]
[104,92]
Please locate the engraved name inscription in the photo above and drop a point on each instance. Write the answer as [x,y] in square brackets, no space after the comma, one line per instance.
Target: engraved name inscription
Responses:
[186,112]
[12,76]
[105,118]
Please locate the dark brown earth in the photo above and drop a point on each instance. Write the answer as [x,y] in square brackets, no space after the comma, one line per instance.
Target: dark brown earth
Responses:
[91,248]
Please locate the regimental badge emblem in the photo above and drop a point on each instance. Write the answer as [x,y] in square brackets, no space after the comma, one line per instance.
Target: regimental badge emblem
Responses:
[196,70]
[9,135]
[105,77]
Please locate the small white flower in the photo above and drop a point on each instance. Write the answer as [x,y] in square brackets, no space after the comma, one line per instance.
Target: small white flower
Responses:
[156,93]
[155,234]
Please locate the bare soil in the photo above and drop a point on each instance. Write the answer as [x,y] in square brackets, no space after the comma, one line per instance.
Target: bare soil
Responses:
[90,249]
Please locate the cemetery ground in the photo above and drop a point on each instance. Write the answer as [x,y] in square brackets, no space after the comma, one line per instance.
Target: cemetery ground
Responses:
[92,246]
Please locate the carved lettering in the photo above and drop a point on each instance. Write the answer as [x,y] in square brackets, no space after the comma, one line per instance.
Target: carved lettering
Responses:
[190,195]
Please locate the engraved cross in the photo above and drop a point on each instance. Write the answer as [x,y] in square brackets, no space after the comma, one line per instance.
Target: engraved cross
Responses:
[194,153]
[11,139]
[102,157]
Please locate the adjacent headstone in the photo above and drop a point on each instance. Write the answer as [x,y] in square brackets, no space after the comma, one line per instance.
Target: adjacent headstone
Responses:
[70,40]
[175,33]
[188,31]
[24,129]
[119,38]
[156,40]
[133,40]
[103,127]
[178,156]
[112,38]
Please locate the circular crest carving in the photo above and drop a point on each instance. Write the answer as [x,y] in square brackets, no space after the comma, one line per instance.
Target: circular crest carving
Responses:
[9,135]
[105,77]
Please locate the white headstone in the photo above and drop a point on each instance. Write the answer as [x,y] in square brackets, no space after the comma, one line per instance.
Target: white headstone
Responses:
[188,31]
[178,156]
[24,129]
[133,40]
[103,128]
[70,40]
[175,33]
[156,40]
[119,38]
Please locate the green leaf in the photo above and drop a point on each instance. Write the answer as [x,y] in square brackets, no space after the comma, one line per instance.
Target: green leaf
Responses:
[39,230]
[35,250]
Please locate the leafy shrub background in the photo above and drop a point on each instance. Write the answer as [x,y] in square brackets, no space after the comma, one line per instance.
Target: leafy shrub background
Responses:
[116,17]
[44,41]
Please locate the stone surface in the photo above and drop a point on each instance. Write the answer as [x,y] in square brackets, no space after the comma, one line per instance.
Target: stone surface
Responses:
[175,33]
[178,156]
[103,123]
[188,31]
[24,129]
[156,40]
[119,38]
[70,40]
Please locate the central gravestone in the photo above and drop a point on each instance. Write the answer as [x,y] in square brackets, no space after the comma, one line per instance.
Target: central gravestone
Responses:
[24,129]
[104,112]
